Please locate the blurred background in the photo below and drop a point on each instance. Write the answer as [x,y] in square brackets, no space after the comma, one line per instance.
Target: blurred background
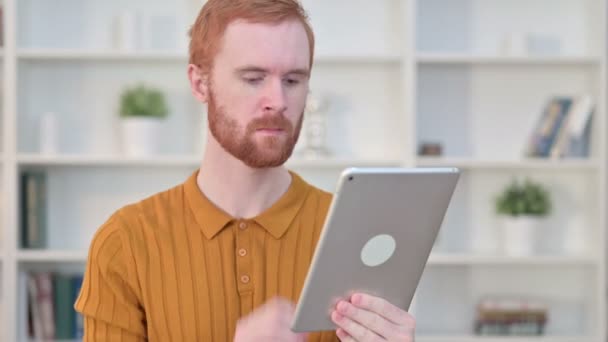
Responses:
[96,112]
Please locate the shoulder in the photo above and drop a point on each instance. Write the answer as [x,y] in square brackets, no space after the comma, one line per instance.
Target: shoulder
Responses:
[321,196]
[125,229]
[159,204]
[317,200]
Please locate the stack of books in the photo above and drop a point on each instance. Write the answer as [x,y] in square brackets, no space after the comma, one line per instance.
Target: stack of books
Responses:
[51,298]
[510,317]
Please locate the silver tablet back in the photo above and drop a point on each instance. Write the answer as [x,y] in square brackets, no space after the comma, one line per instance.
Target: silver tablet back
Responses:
[377,237]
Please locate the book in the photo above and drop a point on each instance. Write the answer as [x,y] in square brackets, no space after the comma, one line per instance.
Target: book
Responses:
[504,316]
[574,135]
[563,129]
[79,320]
[548,126]
[65,316]
[33,210]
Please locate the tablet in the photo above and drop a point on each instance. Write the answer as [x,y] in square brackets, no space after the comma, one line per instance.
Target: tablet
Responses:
[377,237]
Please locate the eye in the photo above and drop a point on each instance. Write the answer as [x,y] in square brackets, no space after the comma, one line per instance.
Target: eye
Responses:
[253,80]
[292,81]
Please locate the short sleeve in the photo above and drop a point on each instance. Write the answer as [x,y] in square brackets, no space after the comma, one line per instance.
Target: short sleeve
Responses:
[110,297]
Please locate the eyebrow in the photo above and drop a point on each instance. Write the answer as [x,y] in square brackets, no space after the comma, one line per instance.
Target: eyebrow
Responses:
[250,68]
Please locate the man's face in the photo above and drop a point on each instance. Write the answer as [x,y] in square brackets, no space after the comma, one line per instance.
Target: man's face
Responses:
[257,91]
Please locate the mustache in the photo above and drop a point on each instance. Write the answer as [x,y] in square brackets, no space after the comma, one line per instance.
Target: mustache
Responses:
[271,122]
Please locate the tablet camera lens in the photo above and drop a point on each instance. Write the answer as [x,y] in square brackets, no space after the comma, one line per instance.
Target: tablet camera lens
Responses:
[350,178]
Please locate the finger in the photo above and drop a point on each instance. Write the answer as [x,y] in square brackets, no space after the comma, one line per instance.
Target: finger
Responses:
[381,307]
[371,320]
[354,329]
[344,336]
[303,337]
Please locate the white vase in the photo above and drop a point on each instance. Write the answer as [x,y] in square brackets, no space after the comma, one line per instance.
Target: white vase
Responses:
[127,31]
[140,136]
[519,235]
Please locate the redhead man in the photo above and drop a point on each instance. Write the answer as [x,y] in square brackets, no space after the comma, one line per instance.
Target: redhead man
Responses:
[224,255]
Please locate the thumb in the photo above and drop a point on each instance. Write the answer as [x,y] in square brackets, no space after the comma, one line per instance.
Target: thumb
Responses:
[302,337]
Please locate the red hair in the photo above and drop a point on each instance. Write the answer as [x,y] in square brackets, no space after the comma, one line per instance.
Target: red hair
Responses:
[214,17]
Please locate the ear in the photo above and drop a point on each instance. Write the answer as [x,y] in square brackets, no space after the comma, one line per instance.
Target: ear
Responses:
[198,83]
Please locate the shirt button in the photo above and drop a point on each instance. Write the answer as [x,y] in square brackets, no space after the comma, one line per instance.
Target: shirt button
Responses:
[245,279]
[242,252]
[242,225]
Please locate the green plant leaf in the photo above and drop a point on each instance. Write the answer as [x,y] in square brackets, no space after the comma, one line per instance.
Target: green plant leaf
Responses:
[143,101]
[527,198]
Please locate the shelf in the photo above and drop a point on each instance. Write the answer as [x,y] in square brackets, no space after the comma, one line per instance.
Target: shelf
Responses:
[361,59]
[172,57]
[105,160]
[529,163]
[182,161]
[194,161]
[447,259]
[339,163]
[100,55]
[50,256]
[75,340]
[448,58]
[438,259]
[448,338]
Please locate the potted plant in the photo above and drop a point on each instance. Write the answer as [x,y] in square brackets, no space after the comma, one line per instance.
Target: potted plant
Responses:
[142,111]
[522,206]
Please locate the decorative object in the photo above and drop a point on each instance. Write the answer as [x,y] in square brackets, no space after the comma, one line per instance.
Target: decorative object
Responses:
[511,316]
[315,128]
[142,110]
[48,133]
[514,45]
[522,207]
[127,31]
[430,149]
[543,44]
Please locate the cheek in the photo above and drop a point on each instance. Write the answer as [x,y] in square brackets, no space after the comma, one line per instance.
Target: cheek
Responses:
[297,102]
[239,106]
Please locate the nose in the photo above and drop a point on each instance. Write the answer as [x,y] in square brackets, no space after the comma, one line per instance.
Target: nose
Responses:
[274,97]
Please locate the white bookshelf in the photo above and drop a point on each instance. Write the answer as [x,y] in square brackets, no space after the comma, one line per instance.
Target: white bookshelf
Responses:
[110,55]
[185,161]
[449,338]
[42,256]
[451,58]
[522,164]
[47,55]
[436,259]
[454,259]
[397,73]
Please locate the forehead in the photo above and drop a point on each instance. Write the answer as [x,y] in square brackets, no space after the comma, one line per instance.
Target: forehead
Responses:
[279,47]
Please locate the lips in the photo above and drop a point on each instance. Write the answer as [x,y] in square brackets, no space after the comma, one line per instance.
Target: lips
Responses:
[270,129]
[272,125]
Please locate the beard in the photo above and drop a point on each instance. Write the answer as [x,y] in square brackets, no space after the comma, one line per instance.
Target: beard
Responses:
[266,152]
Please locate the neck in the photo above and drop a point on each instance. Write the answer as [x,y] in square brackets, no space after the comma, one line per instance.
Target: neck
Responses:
[237,189]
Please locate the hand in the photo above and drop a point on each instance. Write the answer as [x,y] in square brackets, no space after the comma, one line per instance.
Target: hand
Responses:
[270,322]
[366,318]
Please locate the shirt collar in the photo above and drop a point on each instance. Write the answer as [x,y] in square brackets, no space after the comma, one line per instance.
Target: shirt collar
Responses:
[276,219]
